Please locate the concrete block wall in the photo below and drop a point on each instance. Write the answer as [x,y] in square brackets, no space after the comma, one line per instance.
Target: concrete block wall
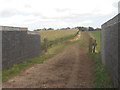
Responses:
[18,44]
[109,48]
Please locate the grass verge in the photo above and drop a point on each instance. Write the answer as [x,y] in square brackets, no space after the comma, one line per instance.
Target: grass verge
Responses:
[101,77]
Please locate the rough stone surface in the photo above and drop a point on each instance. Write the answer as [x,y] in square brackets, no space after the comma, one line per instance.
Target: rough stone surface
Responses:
[18,45]
[109,48]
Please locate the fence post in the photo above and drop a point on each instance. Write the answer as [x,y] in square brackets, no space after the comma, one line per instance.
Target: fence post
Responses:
[45,44]
[94,46]
[90,45]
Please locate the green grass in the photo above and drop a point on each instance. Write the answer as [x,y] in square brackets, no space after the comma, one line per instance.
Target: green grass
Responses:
[95,35]
[17,68]
[101,77]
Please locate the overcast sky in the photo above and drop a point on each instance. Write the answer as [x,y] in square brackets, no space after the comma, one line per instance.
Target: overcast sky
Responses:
[36,14]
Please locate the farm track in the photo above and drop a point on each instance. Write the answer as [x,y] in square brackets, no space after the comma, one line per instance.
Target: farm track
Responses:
[72,68]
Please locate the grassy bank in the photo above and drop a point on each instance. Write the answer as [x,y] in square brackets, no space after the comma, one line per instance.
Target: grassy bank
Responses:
[17,68]
[101,77]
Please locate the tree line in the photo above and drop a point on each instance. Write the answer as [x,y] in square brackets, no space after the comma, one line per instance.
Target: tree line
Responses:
[78,27]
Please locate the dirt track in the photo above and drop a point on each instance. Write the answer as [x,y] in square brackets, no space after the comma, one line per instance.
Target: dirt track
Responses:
[72,68]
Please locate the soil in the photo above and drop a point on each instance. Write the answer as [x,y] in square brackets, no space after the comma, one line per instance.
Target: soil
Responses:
[72,68]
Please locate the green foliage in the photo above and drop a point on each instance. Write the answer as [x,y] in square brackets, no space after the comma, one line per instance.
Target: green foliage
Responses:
[91,29]
[82,28]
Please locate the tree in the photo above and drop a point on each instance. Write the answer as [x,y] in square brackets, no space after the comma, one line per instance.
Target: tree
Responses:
[68,28]
[91,29]
[50,28]
[97,29]
[44,29]
[82,28]
[37,30]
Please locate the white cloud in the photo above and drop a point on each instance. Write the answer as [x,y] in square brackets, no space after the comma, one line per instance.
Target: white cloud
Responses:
[50,13]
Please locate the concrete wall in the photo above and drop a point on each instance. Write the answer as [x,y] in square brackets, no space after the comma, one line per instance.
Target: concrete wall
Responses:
[109,48]
[18,44]
[0,60]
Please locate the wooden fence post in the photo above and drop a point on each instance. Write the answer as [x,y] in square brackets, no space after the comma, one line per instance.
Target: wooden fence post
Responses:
[45,44]
[90,45]
[94,46]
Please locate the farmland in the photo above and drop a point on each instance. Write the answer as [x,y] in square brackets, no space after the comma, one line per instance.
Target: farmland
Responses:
[54,36]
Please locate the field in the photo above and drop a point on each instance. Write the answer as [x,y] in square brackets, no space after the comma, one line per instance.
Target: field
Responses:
[52,35]
[55,36]
[96,35]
